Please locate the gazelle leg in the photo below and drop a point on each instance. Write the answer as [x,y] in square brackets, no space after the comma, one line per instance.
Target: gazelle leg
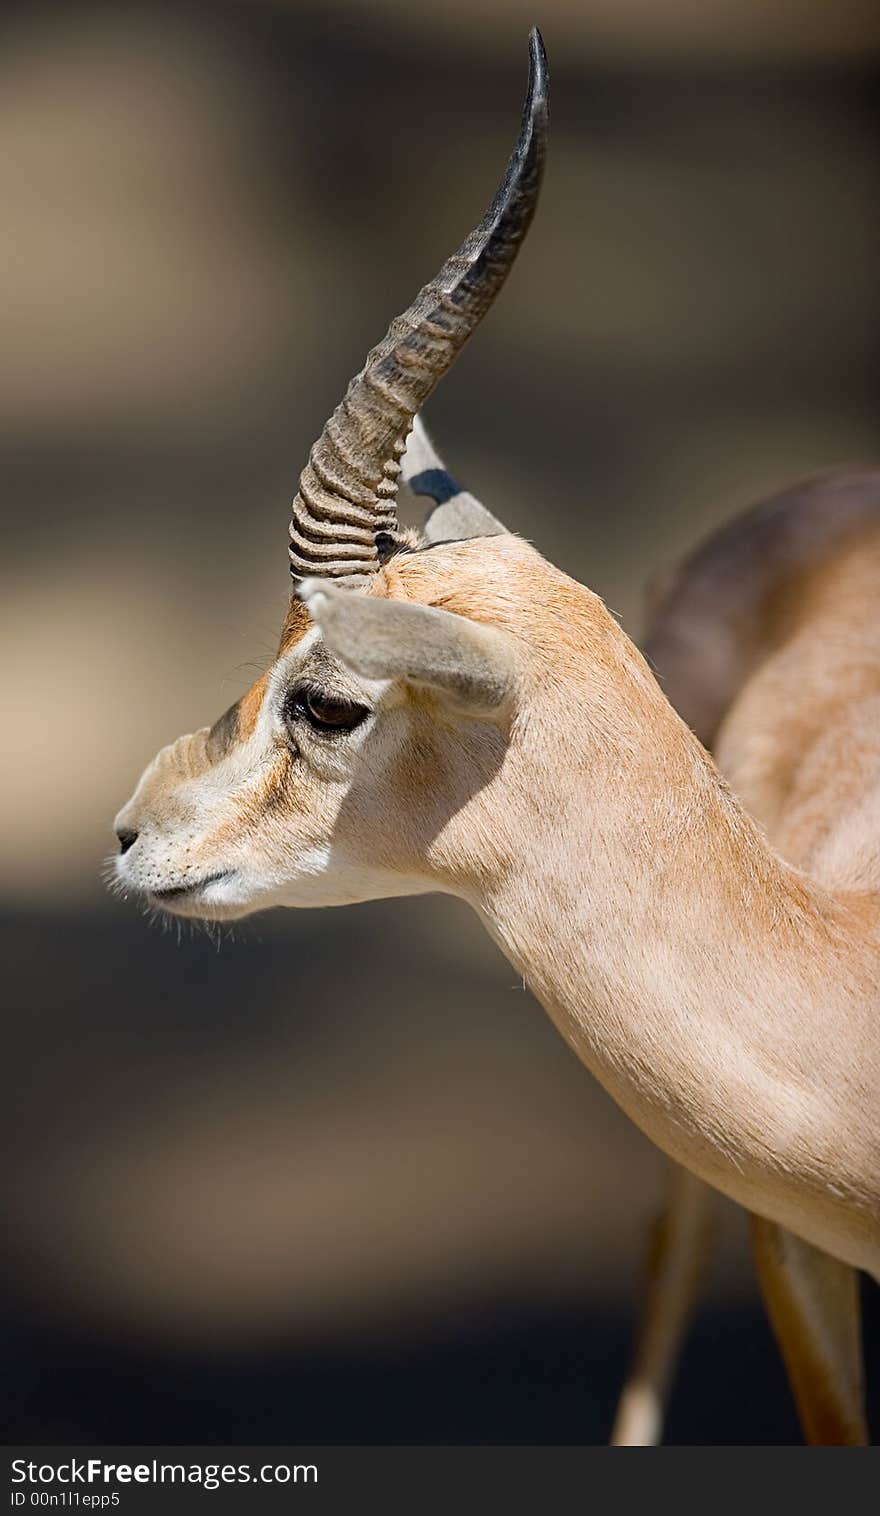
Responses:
[678,1250]
[813,1303]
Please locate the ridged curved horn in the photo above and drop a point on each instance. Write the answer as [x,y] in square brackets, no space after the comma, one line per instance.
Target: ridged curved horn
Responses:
[347,491]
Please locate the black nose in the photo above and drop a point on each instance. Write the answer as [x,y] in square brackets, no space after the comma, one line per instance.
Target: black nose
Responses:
[127,839]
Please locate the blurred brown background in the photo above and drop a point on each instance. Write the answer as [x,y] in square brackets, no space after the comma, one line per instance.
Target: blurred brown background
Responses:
[250,1196]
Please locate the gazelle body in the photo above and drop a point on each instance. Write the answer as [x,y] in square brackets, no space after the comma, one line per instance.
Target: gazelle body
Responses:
[459,715]
[767,639]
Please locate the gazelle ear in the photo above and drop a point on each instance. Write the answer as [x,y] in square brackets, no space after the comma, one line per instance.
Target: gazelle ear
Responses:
[395,639]
[456,514]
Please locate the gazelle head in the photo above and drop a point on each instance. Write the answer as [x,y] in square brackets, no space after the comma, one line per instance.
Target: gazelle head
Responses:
[374,755]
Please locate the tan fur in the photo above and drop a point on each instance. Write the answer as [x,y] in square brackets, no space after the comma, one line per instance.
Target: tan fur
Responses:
[800,743]
[294,627]
[776,615]
[728,1001]
[678,1252]
[715,617]
[813,1302]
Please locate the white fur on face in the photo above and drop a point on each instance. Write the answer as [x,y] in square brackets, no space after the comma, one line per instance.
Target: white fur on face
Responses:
[221,840]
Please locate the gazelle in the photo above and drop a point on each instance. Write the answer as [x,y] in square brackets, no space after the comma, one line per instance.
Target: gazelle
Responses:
[448,711]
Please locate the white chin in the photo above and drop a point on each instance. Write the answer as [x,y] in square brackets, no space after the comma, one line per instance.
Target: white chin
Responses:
[215,900]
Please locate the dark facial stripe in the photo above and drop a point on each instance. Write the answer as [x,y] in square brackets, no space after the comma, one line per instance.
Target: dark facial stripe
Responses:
[238,723]
[436,482]
[224,733]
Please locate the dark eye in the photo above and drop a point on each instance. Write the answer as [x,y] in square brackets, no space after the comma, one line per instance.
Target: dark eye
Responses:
[326,713]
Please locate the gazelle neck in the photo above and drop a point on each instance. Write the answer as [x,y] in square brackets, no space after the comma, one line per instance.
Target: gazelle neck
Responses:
[727,1003]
